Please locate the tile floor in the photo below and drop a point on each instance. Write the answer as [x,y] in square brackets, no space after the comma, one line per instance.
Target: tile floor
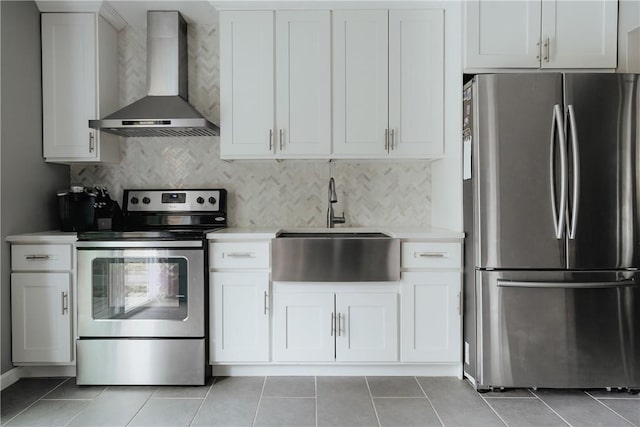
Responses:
[311,401]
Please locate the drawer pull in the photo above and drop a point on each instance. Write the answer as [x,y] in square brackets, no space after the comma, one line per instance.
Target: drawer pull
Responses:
[38,257]
[239,255]
[430,255]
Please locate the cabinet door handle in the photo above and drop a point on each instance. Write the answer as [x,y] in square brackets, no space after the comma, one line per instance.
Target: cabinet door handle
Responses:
[271,140]
[38,257]
[539,50]
[386,140]
[339,324]
[393,139]
[266,302]
[239,255]
[91,142]
[429,255]
[545,46]
[281,133]
[460,303]
[65,302]
[333,323]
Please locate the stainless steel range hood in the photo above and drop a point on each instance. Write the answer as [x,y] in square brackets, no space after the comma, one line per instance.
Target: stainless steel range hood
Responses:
[165,110]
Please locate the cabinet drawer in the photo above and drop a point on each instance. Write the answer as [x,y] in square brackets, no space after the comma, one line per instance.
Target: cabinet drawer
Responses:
[239,255]
[431,255]
[40,257]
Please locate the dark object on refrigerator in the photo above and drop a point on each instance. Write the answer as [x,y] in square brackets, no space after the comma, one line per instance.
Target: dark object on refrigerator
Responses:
[552,216]
[76,209]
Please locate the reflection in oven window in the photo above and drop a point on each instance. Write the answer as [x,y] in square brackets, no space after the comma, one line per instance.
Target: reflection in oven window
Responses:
[140,288]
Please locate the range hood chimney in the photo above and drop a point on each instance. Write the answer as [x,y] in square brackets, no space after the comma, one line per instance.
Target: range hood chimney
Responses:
[165,110]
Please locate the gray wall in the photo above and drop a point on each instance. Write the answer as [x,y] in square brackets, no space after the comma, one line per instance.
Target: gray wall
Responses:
[28,184]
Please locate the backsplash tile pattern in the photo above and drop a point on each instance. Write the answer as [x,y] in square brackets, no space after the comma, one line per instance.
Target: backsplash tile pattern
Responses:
[261,193]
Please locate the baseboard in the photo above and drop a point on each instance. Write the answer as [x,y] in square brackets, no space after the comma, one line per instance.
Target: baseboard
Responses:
[13,375]
[10,377]
[432,370]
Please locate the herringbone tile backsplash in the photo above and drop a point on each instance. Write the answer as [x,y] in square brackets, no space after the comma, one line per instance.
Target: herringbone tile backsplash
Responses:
[261,193]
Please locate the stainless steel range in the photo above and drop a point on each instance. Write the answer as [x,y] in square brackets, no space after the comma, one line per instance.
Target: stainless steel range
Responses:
[142,291]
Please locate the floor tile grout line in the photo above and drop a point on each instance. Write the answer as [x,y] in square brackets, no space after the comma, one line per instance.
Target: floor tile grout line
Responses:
[213,381]
[315,390]
[509,397]
[429,400]
[611,409]
[373,403]
[55,388]
[140,408]
[549,406]
[34,402]
[492,408]
[255,415]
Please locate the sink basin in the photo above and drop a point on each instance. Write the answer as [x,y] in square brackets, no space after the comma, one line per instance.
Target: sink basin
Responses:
[330,256]
[332,235]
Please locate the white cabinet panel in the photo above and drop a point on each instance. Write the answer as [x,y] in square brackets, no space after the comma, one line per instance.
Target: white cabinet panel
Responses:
[416,68]
[541,34]
[303,75]
[502,33]
[247,112]
[431,317]
[367,329]
[240,317]
[39,257]
[580,33]
[360,73]
[431,255]
[239,255]
[75,46]
[41,318]
[303,326]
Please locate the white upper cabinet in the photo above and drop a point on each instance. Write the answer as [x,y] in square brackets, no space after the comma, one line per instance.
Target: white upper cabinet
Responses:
[275,84]
[79,83]
[579,34]
[360,86]
[541,34]
[331,84]
[303,83]
[388,83]
[247,109]
[416,83]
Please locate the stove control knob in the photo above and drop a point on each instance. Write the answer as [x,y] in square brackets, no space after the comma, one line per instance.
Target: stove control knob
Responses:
[146,200]
[134,200]
[200,200]
[212,200]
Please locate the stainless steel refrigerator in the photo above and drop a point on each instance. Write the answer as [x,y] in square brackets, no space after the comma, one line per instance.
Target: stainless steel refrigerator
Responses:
[552,216]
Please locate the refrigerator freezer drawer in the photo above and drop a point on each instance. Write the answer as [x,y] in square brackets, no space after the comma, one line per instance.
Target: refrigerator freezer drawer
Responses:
[559,329]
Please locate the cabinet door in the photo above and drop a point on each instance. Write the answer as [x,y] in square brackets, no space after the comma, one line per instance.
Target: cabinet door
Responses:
[367,328]
[69,84]
[502,33]
[246,84]
[360,73]
[416,83]
[240,317]
[303,327]
[580,34]
[303,73]
[431,317]
[41,319]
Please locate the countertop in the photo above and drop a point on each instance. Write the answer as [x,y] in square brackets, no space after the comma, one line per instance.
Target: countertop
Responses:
[233,233]
[54,236]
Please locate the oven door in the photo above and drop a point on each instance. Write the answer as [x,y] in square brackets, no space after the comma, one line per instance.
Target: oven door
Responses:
[141,292]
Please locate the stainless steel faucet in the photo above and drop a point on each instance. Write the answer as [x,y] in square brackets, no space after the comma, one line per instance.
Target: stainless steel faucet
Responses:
[332,220]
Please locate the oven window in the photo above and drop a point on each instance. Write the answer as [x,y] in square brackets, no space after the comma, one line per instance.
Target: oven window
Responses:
[139,288]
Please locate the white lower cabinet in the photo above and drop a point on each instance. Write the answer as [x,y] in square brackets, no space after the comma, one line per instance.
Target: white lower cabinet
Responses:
[41,318]
[431,316]
[328,324]
[240,320]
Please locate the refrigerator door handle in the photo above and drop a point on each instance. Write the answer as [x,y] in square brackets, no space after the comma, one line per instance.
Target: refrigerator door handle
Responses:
[576,173]
[557,126]
[565,285]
